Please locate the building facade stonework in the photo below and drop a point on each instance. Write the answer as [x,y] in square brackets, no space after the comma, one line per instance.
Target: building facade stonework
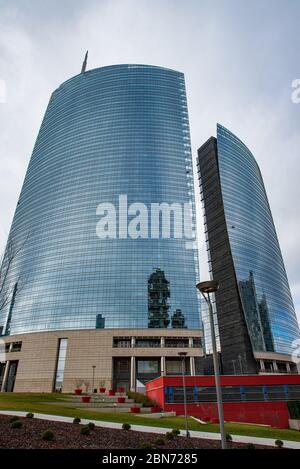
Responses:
[95,358]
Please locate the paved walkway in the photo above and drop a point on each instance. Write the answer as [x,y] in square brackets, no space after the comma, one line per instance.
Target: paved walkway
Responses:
[142,428]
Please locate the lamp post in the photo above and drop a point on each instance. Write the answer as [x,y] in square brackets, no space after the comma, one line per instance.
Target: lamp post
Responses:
[206,288]
[93,381]
[182,356]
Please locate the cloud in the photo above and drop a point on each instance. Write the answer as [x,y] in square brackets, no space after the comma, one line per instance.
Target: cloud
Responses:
[239,60]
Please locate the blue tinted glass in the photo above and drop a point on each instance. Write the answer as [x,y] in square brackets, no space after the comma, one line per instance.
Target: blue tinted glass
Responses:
[114,130]
[259,267]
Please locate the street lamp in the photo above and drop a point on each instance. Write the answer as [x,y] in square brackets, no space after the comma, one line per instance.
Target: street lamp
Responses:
[182,356]
[93,385]
[206,288]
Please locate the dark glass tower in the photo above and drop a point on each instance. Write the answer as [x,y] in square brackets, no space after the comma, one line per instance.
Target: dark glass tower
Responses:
[116,130]
[254,304]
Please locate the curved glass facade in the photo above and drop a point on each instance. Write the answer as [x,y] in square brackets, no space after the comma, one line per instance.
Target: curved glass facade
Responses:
[258,263]
[111,131]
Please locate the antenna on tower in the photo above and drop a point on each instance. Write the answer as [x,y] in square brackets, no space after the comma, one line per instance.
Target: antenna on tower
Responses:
[83,68]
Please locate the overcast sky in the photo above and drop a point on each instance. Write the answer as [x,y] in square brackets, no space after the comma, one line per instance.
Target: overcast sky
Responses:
[239,59]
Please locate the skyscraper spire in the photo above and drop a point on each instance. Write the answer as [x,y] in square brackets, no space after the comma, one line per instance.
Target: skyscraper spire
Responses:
[83,68]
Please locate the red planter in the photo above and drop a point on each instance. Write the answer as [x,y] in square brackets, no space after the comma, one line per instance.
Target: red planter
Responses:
[135,410]
[120,389]
[102,390]
[86,399]
[78,392]
[215,420]
[121,400]
[111,392]
[155,410]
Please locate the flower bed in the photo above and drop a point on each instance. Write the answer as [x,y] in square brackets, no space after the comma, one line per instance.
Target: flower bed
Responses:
[68,436]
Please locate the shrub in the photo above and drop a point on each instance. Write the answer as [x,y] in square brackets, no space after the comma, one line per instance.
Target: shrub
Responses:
[85,431]
[30,415]
[48,435]
[228,438]
[14,418]
[16,424]
[279,443]
[176,432]
[249,446]
[159,441]
[140,398]
[126,426]
[170,435]
[145,446]
[91,425]
[77,420]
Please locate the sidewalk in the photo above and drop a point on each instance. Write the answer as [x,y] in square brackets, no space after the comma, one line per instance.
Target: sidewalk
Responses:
[142,428]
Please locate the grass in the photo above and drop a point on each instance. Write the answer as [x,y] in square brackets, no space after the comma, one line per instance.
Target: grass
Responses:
[45,404]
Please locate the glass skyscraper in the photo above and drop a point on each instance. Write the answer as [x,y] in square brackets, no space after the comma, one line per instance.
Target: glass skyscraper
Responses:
[254,299]
[256,254]
[120,130]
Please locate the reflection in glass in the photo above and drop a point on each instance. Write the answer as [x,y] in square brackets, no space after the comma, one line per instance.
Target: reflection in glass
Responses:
[178,320]
[158,295]
[268,305]
[60,367]
[121,129]
[147,366]
[252,313]
[100,321]
[266,325]
[256,315]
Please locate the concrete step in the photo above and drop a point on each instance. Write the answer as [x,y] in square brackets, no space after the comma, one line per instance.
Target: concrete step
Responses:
[106,405]
[109,405]
[95,398]
[109,399]
[158,415]
[102,405]
[111,410]
[119,410]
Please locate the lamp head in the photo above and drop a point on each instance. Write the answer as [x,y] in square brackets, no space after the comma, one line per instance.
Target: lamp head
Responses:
[210,286]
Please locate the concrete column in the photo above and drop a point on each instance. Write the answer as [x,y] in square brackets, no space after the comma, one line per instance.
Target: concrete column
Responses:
[288,367]
[275,366]
[163,366]
[5,376]
[192,366]
[132,342]
[132,375]
[190,342]
[262,365]
[162,342]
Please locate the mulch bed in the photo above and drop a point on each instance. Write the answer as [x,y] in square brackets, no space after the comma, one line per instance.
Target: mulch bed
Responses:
[67,436]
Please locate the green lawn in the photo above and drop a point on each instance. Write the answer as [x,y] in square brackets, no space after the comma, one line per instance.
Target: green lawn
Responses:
[45,403]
